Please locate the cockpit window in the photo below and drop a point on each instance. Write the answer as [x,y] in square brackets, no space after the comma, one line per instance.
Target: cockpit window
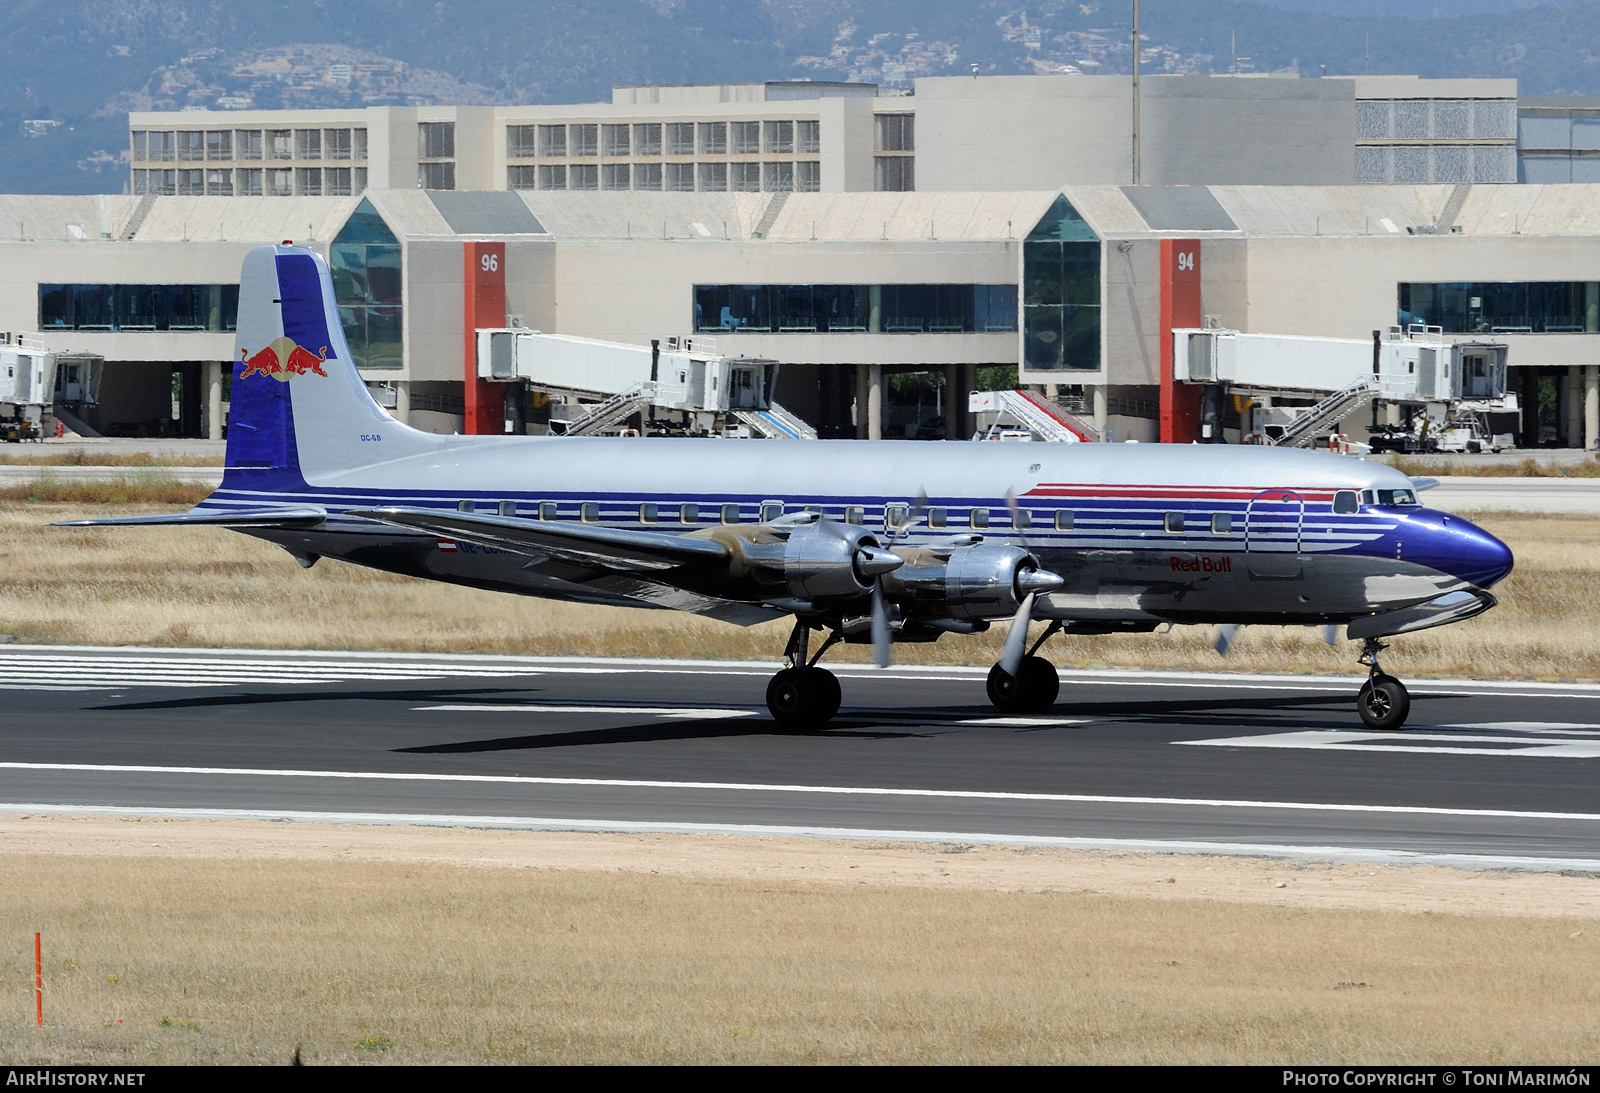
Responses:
[1397,497]
[1344,502]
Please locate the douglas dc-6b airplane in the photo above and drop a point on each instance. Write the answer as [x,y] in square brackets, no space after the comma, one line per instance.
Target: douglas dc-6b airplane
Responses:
[857,541]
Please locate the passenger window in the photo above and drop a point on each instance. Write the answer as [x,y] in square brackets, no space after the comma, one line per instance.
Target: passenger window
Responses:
[1174,521]
[730,514]
[1063,519]
[1022,518]
[979,519]
[547,510]
[1221,523]
[770,511]
[508,508]
[688,514]
[648,513]
[937,518]
[589,512]
[895,516]
[464,506]
[855,514]
[1345,502]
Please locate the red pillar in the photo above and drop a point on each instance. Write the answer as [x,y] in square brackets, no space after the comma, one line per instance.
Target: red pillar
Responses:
[484,306]
[1180,307]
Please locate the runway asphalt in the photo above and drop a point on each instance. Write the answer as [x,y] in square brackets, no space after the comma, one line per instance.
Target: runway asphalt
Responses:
[1487,774]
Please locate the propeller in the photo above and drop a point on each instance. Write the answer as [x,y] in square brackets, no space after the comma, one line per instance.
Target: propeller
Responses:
[1330,634]
[1017,637]
[1226,637]
[880,609]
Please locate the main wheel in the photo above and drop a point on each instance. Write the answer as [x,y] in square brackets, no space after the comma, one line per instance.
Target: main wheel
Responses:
[803,696]
[1383,703]
[1032,690]
[828,694]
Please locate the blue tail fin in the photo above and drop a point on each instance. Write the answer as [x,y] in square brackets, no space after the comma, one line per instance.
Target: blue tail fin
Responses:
[300,413]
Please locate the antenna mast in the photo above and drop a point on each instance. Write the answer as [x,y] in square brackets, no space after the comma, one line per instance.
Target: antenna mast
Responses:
[1136,92]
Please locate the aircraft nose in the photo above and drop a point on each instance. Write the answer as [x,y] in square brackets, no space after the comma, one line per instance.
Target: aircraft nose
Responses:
[1475,555]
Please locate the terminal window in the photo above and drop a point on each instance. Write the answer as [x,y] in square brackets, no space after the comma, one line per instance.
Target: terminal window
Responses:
[744,177]
[779,138]
[552,176]
[808,136]
[191,145]
[436,176]
[219,144]
[521,141]
[1503,307]
[616,141]
[678,176]
[365,263]
[280,144]
[746,137]
[714,177]
[336,143]
[584,140]
[808,176]
[247,143]
[521,177]
[870,309]
[777,176]
[896,133]
[647,176]
[647,139]
[552,140]
[139,307]
[680,138]
[308,143]
[713,138]
[894,173]
[436,140]
[1061,292]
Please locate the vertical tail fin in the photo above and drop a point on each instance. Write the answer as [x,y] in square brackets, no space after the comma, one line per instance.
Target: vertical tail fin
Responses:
[299,412]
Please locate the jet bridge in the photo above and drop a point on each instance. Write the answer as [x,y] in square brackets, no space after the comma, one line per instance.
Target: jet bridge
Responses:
[602,384]
[33,380]
[1414,366]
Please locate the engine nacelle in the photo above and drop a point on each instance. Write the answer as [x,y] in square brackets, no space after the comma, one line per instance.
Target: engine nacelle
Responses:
[834,560]
[977,582]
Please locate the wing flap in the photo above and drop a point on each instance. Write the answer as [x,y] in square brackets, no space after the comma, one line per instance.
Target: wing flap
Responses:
[583,544]
[299,517]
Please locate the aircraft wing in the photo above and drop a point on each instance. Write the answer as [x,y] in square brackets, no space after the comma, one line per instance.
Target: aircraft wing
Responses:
[299,517]
[582,544]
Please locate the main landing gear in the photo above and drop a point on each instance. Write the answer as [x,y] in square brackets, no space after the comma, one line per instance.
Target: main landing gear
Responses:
[1035,686]
[1383,701]
[803,694]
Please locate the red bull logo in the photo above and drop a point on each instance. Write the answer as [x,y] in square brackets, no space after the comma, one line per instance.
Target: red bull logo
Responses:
[282,360]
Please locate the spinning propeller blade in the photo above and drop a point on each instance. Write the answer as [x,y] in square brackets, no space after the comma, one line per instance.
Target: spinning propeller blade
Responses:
[880,625]
[1226,637]
[1017,637]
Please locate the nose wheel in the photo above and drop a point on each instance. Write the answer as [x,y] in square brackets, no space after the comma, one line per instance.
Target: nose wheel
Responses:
[1383,702]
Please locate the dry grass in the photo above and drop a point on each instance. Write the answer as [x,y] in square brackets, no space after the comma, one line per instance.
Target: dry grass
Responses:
[138,489]
[1467,468]
[152,961]
[194,587]
[81,457]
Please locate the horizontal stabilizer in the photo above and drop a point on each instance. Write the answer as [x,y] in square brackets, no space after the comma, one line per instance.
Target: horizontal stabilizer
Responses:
[1449,608]
[299,517]
[584,544]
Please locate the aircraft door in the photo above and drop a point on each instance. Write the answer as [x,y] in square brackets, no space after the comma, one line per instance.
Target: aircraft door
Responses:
[1272,530]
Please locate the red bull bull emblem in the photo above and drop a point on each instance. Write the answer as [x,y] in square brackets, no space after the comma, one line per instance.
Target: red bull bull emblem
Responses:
[282,360]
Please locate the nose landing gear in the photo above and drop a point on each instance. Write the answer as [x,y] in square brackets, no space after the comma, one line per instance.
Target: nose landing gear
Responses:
[803,694]
[1383,701]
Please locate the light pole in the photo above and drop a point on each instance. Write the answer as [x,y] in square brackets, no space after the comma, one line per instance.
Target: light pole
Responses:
[1136,92]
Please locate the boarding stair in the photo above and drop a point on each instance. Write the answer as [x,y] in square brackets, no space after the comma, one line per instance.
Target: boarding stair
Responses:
[1303,431]
[1045,419]
[776,423]
[618,407]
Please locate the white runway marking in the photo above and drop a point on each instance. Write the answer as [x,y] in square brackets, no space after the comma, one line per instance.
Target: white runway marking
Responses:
[1026,722]
[1541,740]
[655,711]
[769,787]
[532,823]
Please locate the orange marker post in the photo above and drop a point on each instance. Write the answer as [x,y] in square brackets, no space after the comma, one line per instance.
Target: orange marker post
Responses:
[38,980]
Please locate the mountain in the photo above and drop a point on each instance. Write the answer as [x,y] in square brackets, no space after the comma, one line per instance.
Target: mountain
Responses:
[75,67]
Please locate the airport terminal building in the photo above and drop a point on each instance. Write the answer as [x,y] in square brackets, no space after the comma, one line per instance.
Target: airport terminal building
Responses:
[1079,287]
